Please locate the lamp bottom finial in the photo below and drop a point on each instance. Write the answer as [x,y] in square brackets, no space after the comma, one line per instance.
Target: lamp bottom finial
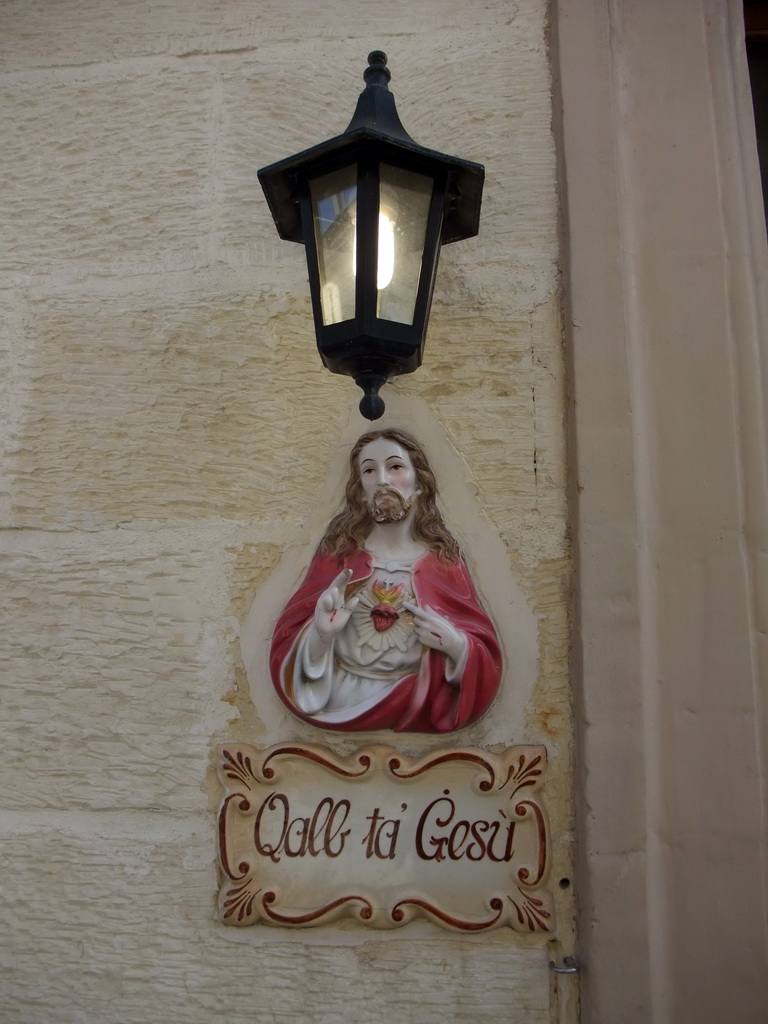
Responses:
[371,404]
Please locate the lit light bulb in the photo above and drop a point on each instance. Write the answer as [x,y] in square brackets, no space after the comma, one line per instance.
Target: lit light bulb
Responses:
[386,251]
[386,260]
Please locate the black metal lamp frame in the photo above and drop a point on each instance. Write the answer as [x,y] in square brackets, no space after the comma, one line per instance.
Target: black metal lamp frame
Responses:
[368,348]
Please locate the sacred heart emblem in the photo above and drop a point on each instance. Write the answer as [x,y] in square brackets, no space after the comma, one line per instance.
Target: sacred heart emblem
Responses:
[383,617]
[384,614]
[380,619]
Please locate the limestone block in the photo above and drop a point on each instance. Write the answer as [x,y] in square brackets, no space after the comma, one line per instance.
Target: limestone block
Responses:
[171,409]
[106,169]
[195,426]
[10,323]
[513,438]
[126,902]
[114,667]
[40,34]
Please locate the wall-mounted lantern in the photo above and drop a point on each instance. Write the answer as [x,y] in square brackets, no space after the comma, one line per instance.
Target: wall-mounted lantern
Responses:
[372,208]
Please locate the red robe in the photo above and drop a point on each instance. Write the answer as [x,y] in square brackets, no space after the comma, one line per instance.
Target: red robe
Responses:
[424,701]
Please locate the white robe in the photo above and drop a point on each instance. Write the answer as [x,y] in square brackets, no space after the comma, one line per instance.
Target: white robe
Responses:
[361,665]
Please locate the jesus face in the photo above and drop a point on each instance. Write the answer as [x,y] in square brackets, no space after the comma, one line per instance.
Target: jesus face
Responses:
[388,479]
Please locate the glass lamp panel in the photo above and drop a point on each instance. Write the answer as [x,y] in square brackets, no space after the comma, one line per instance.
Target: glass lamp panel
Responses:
[404,202]
[334,211]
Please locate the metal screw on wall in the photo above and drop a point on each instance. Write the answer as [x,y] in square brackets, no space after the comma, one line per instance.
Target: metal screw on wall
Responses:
[569,966]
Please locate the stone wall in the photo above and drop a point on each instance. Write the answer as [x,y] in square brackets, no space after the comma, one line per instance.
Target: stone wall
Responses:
[166,429]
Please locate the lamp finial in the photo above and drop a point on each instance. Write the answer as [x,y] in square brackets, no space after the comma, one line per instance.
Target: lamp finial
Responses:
[371,404]
[377,72]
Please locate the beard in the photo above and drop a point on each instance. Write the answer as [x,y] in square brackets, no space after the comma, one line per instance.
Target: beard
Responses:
[389,506]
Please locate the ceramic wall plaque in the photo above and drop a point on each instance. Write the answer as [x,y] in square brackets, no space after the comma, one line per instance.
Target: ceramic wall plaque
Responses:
[387,630]
[458,836]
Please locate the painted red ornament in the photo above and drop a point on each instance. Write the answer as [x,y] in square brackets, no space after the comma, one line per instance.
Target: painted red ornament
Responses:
[384,617]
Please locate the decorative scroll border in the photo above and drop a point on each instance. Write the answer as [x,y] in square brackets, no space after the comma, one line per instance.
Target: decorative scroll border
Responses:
[243,769]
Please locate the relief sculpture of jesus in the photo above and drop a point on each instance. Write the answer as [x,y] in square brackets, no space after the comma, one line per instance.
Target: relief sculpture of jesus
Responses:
[386,631]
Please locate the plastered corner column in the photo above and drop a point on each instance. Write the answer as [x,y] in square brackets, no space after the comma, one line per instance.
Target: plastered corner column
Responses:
[665,281]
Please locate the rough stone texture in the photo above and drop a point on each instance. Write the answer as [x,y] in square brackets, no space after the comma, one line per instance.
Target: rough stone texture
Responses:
[128,936]
[113,668]
[93,177]
[174,401]
[165,429]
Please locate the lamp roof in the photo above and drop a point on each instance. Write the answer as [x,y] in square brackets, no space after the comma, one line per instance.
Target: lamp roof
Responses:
[375,127]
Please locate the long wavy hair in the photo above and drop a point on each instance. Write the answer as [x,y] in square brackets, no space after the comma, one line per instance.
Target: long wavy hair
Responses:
[353,524]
